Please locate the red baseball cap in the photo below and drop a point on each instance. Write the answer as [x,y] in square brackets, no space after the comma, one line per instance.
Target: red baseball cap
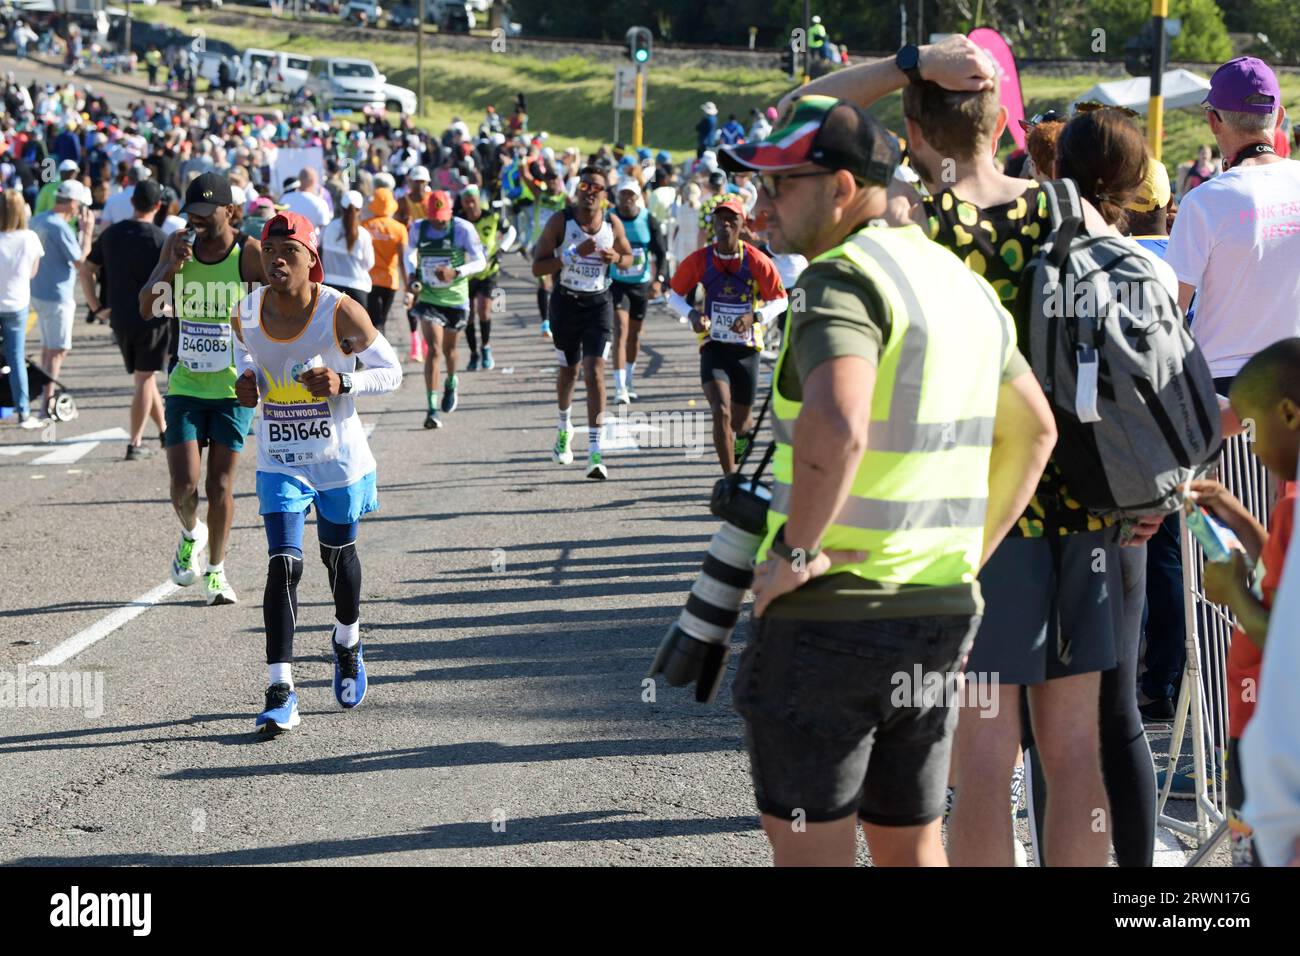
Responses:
[294,226]
[733,202]
[439,205]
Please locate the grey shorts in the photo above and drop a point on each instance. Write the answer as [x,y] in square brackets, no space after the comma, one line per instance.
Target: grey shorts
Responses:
[831,725]
[1020,639]
[55,321]
[450,317]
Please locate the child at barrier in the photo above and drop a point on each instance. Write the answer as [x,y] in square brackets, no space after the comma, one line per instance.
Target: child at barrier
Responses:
[1266,397]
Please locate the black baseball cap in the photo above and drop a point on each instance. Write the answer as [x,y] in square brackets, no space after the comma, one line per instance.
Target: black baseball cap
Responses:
[146,195]
[826,132]
[206,193]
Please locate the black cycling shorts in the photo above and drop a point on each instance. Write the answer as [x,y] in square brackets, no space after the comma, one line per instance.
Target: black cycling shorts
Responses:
[637,295]
[581,326]
[735,364]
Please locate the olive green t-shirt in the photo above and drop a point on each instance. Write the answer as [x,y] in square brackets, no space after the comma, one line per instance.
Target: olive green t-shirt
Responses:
[844,314]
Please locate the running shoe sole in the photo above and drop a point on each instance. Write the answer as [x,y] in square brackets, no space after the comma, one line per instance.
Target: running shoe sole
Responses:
[599,473]
[273,728]
[431,421]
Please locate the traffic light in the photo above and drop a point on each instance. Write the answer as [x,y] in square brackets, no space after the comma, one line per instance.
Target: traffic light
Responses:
[1140,51]
[639,45]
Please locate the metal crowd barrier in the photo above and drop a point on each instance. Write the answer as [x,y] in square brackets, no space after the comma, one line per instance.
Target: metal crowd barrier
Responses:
[1203,696]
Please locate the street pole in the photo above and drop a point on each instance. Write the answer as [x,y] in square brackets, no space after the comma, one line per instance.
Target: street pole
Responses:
[419,61]
[637,117]
[1156,106]
[920,22]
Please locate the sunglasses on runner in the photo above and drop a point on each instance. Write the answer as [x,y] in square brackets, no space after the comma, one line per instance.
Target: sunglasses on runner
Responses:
[586,187]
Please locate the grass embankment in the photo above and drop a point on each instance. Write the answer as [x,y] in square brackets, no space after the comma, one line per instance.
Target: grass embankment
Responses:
[571,97]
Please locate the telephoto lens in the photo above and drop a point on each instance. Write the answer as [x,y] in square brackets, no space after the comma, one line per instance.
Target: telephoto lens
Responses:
[696,647]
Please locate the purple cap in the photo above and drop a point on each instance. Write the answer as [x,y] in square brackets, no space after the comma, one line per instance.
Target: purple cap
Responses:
[1244,85]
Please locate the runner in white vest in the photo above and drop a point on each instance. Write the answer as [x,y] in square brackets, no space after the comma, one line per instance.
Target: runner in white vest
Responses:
[297,347]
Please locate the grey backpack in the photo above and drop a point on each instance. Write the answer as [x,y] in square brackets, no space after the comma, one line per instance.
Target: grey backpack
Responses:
[1133,397]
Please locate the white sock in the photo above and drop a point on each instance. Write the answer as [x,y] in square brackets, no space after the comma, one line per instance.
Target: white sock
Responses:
[279,674]
[566,419]
[620,378]
[192,533]
[215,568]
[347,635]
[593,438]
[631,370]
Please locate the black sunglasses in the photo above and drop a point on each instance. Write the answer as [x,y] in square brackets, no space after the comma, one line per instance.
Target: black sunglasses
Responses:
[770,183]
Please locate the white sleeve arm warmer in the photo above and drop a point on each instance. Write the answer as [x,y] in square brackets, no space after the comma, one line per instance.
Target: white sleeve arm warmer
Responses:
[383,372]
[679,305]
[774,310]
[471,266]
[243,358]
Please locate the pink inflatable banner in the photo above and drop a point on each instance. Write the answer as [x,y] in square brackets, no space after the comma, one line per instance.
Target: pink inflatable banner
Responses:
[1008,78]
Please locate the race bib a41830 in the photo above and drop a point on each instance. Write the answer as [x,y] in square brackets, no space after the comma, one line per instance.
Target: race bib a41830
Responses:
[299,433]
[204,346]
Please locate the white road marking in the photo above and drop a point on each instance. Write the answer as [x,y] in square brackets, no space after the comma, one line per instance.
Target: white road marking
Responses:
[70,450]
[104,627]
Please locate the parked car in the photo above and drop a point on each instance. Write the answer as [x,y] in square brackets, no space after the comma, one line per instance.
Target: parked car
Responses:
[344,83]
[451,16]
[401,17]
[399,99]
[357,11]
[285,72]
[144,35]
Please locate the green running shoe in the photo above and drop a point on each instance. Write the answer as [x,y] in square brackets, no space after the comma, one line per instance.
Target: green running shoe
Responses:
[562,450]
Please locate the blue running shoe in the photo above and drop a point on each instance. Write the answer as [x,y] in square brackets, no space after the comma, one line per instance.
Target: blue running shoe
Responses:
[349,675]
[281,711]
[473,363]
[488,362]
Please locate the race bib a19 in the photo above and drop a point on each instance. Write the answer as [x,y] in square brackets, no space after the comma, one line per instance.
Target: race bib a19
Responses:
[299,433]
[429,267]
[724,319]
[204,346]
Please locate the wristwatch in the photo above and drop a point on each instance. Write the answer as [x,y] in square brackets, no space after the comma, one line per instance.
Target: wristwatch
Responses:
[908,59]
[345,383]
[785,552]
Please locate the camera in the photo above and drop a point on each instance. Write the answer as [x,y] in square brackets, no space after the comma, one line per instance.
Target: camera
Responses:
[696,647]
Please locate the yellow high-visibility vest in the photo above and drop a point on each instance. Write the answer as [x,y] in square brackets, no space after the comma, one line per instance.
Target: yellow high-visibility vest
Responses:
[919,496]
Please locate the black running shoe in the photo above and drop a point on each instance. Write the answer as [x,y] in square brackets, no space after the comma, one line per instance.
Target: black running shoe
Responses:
[432,420]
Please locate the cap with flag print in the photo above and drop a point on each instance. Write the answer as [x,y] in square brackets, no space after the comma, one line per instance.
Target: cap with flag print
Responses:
[826,132]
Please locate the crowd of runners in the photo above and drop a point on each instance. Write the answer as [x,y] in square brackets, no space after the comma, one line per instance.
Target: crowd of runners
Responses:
[280,262]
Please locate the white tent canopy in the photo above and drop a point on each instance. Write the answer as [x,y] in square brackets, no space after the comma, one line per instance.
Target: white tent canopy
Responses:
[1179,87]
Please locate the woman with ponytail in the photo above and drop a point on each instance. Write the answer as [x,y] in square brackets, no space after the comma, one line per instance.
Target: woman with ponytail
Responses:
[347,251]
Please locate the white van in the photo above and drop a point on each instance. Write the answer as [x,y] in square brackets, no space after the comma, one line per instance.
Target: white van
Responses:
[285,72]
[344,83]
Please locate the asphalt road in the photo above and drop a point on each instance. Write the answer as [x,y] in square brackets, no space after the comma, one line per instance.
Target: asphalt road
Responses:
[511,609]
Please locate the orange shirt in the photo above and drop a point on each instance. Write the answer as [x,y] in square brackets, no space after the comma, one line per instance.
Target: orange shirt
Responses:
[389,239]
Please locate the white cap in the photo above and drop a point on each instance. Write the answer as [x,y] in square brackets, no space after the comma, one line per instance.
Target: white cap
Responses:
[69,166]
[352,199]
[237,196]
[419,174]
[73,189]
[628,185]
[710,108]
[709,161]
[385,180]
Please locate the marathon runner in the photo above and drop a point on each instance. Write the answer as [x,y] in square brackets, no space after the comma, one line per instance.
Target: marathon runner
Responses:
[411,210]
[580,246]
[298,345]
[205,268]
[742,293]
[490,228]
[635,286]
[548,189]
[443,251]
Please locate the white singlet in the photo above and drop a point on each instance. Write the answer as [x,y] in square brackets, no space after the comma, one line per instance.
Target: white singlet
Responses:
[589,273]
[318,440]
